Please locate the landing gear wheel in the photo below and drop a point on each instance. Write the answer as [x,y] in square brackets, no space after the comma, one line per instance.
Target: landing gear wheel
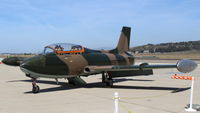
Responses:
[109,83]
[107,79]
[36,89]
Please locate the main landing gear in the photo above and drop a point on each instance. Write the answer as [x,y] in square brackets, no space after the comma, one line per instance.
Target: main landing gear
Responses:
[36,88]
[107,79]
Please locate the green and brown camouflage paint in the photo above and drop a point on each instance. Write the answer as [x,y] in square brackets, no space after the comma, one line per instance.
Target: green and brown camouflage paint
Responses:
[74,64]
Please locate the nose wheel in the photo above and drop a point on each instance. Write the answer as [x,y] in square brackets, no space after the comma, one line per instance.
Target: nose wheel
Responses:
[36,88]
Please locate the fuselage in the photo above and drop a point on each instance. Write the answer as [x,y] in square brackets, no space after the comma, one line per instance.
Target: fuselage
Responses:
[53,65]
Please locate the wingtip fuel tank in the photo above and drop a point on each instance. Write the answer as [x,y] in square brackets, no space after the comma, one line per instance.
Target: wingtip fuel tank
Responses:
[186,66]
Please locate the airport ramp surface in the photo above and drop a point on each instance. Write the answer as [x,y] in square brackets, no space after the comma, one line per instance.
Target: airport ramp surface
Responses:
[142,94]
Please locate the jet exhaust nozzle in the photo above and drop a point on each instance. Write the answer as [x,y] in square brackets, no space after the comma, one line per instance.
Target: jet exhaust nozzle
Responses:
[186,66]
[92,69]
[87,70]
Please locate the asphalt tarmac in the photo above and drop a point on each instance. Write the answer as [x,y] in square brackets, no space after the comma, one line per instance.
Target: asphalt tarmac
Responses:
[157,93]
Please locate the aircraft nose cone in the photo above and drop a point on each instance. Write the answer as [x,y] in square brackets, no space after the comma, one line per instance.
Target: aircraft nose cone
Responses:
[33,64]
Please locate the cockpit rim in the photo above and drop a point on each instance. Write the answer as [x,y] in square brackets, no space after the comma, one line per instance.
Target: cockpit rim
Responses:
[64,48]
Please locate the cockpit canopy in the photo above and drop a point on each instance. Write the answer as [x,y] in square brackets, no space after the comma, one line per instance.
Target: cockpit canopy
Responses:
[64,48]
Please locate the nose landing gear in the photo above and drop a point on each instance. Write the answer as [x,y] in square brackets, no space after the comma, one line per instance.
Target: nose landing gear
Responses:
[36,88]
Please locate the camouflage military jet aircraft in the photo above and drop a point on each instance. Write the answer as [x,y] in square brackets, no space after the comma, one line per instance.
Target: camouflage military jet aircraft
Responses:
[73,61]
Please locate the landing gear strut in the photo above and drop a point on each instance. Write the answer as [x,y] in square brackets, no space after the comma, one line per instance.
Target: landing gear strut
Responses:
[36,88]
[107,79]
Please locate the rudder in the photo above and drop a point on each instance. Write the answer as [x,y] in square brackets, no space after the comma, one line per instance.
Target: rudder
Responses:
[124,41]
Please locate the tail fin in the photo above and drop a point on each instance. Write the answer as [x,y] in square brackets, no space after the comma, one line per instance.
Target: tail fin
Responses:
[124,41]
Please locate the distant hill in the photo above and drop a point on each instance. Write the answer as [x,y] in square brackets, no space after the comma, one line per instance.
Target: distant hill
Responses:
[168,47]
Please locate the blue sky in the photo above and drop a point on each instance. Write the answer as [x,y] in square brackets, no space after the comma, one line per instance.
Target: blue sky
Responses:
[29,25]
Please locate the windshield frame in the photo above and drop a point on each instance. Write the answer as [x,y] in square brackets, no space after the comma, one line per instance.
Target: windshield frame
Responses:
[64,48]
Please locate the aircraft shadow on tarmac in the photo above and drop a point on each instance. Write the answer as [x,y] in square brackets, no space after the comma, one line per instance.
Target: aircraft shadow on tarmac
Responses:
[66,86]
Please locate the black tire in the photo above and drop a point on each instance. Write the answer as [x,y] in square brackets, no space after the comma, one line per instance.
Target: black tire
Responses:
[36,89]
[109,83]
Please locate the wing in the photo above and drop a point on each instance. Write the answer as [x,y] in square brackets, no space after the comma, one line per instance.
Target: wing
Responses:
[184,66]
